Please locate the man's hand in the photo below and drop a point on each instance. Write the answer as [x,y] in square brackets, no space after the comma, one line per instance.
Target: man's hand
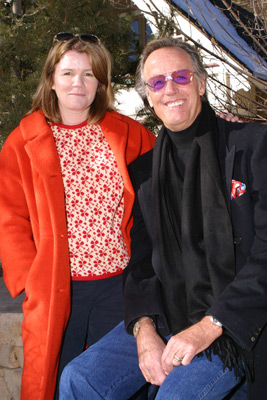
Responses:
[188,343]
[150,347]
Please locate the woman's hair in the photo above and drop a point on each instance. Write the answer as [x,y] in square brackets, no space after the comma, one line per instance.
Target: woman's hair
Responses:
[157,44]
[45,97]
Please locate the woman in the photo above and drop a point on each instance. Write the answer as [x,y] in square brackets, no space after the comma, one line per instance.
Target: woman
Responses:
[65,202]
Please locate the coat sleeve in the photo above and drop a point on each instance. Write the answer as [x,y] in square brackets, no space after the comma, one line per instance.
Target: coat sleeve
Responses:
[142,289]
[17,248]
[242,306]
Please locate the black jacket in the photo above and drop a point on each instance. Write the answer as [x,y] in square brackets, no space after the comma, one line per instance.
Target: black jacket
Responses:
[242,307]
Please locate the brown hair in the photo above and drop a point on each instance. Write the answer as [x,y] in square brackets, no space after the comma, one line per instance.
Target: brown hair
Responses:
[45,97]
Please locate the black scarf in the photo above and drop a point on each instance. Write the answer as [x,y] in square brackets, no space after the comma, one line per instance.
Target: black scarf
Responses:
[193,231]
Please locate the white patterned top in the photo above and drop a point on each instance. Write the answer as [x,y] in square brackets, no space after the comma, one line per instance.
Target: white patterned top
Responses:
[94,201]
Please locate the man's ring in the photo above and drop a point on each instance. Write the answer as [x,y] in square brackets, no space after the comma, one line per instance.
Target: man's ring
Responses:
[176,358]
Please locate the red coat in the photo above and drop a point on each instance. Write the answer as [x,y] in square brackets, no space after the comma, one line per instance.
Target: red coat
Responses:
[34,244]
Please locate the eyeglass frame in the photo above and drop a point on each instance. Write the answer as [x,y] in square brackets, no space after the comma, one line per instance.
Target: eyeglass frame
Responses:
[170,78]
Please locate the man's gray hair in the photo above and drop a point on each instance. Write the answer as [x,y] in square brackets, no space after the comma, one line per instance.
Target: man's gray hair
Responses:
[140,84]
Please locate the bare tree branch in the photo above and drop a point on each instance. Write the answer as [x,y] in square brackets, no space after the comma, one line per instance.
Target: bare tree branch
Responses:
[249,99]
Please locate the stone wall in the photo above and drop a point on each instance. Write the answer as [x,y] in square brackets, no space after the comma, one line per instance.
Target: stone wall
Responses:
[11,353]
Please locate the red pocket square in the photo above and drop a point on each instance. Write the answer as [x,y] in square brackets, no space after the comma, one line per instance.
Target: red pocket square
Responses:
[237,189]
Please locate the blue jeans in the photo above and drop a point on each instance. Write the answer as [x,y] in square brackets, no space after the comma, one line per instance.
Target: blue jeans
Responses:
[109,370]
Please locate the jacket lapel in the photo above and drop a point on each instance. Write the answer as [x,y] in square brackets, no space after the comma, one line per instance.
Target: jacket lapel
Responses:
[229,165]
[211,159]
[226,163]
[226,159]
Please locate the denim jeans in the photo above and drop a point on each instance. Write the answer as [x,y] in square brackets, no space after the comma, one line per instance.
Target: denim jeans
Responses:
[109,370]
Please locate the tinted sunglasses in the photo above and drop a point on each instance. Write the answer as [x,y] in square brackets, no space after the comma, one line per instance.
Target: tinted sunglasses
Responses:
[183,77]
[65,36]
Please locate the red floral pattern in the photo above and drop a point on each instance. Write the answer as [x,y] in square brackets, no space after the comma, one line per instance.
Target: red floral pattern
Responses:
[94,201]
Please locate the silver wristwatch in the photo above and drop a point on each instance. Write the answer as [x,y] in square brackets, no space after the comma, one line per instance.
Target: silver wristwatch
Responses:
[137,325]
[214,321]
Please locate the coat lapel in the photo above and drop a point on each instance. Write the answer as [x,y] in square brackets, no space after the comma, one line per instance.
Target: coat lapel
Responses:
[229,165]
[111,127]
[40,145]
[41,149]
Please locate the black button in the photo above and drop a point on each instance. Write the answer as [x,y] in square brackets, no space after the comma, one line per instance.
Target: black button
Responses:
[237,240]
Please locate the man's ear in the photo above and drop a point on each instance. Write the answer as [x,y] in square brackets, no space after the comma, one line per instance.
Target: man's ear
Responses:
[202,86]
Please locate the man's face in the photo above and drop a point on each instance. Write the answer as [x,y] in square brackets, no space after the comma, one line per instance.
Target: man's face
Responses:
[176,105]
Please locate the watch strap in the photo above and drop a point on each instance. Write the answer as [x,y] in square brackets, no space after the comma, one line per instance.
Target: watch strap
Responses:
[138,325]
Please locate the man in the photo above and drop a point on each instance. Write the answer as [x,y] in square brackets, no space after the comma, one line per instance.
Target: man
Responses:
[196,285]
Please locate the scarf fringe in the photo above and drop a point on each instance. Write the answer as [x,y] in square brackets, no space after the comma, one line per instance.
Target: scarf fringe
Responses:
[233,357]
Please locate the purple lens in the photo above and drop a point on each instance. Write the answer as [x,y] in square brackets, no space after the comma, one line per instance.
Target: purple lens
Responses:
[156,83]
[182,77]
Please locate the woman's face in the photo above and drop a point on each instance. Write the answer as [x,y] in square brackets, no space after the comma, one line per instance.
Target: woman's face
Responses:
[75,86]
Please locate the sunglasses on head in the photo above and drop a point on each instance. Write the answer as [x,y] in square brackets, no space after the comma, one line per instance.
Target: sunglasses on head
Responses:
[183,77]
[65,36]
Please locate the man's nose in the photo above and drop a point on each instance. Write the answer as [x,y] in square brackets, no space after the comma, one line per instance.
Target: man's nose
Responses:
[171,86]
